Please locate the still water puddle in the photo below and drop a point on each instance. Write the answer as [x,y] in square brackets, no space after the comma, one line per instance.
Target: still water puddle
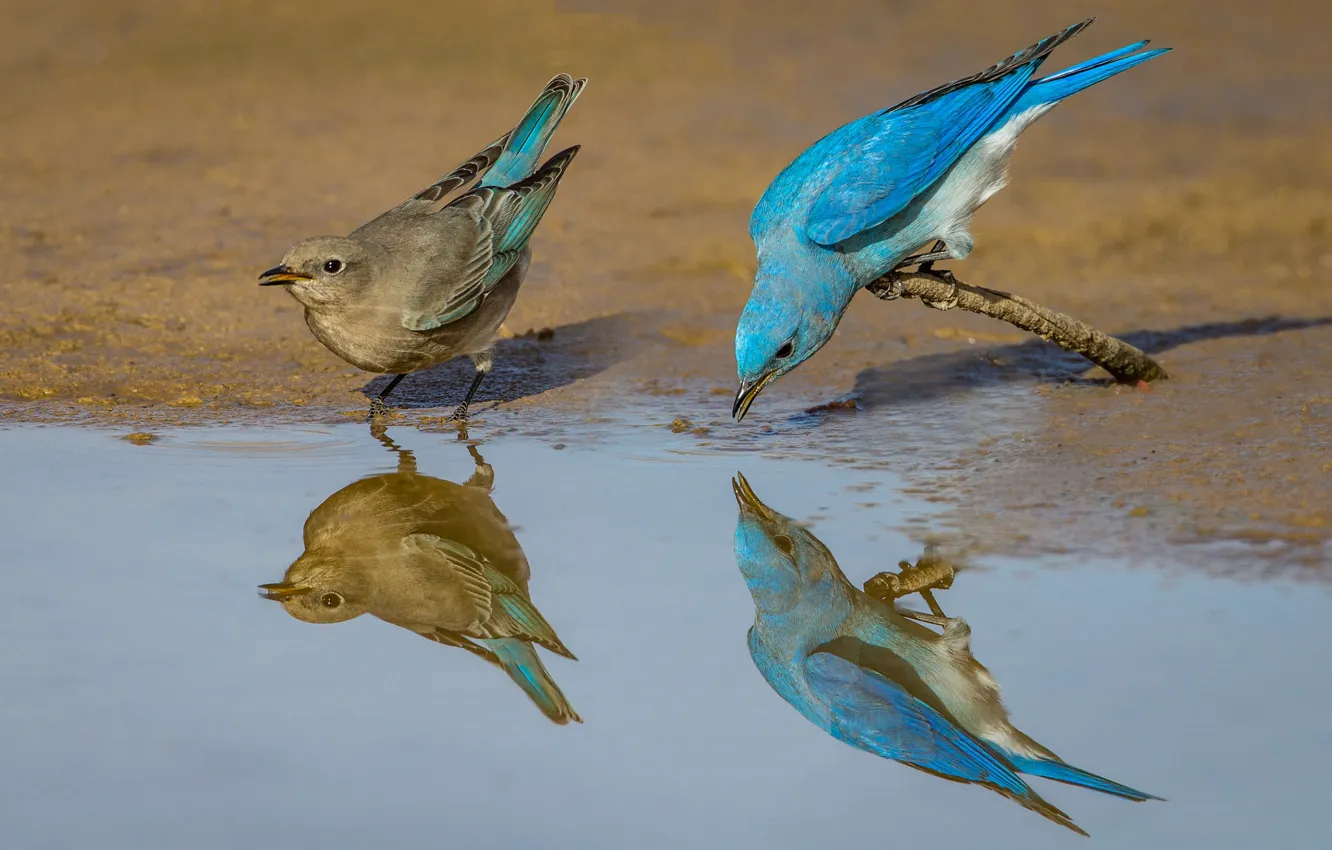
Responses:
[151,696]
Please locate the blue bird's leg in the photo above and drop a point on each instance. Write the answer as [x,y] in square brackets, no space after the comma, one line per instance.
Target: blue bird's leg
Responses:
[926,261]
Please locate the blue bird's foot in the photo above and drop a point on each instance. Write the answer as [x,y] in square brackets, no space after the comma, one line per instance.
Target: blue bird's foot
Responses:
[943,274]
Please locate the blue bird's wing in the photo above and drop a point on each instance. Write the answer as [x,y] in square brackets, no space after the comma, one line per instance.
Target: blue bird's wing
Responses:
[906,148]
[874,713]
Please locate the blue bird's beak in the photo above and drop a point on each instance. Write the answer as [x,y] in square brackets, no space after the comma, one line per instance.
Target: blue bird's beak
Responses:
[279,275]
[749,503]
[747,393]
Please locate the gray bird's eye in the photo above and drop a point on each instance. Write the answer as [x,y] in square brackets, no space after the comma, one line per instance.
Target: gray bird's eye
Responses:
[334,266]
[786,349]
[331,599]
[784,543]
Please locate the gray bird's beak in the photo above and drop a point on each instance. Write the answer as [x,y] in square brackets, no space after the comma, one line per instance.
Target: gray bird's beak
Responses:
[280,275]
[748,502]
[747,393]
[281,590]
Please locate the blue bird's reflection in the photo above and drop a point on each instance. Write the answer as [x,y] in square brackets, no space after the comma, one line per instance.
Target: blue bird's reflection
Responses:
[877,677]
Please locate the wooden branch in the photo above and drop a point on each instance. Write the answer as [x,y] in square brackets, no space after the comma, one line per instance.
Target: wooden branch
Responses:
[939,290]
[928,573]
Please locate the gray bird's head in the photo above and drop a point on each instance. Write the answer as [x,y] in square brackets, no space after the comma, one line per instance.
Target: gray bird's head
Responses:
[325,270]
[776,556]
[318,590]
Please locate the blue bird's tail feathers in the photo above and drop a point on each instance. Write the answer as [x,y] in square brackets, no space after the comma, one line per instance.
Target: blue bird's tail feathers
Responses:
[520,661]
[529,139]
[1070,775]
[1059,85]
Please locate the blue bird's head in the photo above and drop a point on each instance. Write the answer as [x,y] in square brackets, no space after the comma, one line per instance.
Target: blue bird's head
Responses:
[787,319]
[777,557]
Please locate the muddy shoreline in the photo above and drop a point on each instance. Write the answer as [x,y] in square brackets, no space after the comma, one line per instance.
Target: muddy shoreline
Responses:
[157,157]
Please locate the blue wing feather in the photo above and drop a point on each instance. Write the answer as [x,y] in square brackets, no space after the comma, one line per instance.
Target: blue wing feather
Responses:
[889,158]
[874,713]
[908,151]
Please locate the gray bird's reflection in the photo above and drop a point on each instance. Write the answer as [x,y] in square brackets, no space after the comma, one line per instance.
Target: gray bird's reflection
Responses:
[431,556]
[877,677]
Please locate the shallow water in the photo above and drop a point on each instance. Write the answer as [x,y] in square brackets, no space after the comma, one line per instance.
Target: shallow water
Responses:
[152,698]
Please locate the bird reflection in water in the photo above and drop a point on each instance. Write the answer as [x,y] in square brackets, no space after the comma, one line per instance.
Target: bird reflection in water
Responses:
[877,677]
[431,556]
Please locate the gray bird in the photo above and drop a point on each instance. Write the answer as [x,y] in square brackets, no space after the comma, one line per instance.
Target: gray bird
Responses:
[431,556]
[422,284]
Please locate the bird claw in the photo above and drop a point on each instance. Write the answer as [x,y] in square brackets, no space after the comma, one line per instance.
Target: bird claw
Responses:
[943,274]
[379,409]
[892,291]
[459,414]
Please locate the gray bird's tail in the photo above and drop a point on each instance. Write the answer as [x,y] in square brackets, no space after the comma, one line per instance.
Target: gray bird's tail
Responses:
[529,139]
[520,661]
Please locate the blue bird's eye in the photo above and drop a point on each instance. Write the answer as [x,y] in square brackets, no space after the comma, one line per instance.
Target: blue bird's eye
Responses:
[334,266]
[785,351]
[784,543]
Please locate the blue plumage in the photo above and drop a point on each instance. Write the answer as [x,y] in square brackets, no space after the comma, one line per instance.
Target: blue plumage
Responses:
[859,201]
[524,146]
[872,678]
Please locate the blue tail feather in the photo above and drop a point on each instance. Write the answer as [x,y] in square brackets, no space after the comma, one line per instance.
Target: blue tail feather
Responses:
[528,140]
[1069,81]
[520,661]
[1061,772]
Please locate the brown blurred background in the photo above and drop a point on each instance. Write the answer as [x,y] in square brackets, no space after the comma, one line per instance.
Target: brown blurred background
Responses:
[156,155]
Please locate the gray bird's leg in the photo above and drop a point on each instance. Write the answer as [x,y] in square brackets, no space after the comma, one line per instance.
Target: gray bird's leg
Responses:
[377,405]
[484,476]
[483,362]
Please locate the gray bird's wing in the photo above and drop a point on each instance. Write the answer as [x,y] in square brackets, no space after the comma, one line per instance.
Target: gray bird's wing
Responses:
[479,164]
[494,224]
[448,638]
[508,611]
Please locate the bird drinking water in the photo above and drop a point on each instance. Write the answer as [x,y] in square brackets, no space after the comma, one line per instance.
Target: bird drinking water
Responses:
[856,204]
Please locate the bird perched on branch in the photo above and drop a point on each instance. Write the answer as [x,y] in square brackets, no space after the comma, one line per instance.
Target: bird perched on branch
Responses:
[420,284]
[865,673]
[856,204]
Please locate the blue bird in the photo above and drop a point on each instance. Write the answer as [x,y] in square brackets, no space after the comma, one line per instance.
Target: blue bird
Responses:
[858,202]
[864,673]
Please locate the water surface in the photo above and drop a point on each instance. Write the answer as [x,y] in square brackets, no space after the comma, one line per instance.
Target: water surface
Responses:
[152,698]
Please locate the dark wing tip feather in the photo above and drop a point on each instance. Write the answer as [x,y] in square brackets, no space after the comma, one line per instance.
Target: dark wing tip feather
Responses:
[1026,56]
[553,167]
[464,173]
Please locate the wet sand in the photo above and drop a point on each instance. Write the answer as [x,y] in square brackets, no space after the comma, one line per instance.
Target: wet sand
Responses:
[157,156]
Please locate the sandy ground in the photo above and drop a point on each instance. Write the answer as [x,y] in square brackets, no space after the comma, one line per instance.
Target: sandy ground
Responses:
[157,155]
